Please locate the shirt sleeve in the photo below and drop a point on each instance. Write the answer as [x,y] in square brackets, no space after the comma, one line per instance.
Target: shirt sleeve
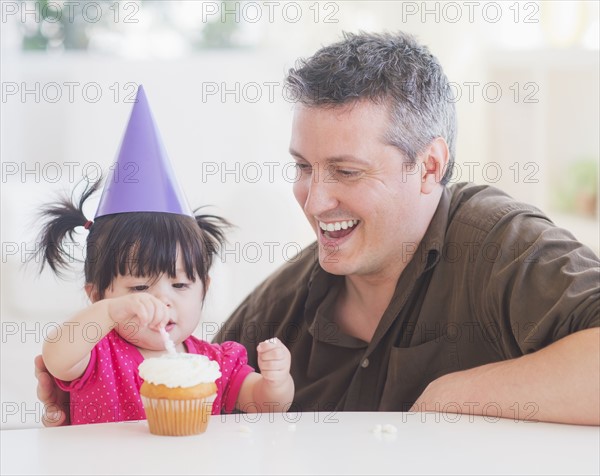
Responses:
[535,284]
[234,370]
[273,307]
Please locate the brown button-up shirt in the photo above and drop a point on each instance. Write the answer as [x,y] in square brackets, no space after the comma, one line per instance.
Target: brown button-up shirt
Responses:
[492,279]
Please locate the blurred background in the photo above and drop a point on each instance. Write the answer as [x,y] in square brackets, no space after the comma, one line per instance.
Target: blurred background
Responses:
[524,77]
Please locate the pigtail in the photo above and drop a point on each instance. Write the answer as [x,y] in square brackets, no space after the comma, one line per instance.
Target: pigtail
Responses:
[60,220]
[213,228]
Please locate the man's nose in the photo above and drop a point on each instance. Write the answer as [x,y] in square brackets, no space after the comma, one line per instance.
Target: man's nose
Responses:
[321,194]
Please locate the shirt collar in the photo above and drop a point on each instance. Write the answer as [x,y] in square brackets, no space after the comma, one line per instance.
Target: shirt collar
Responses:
[431,246]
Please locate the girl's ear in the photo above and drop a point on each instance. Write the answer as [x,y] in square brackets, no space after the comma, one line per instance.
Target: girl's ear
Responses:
[92,293]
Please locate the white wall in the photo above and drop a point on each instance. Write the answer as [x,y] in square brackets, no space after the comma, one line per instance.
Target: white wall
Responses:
[44,137]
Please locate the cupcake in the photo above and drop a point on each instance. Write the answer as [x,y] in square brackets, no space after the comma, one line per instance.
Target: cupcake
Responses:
[178,392]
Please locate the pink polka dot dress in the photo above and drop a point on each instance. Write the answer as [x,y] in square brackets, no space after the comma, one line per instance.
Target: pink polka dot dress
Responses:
[109,389]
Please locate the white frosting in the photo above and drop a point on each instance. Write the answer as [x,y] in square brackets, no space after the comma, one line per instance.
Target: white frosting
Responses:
[169,344]
[179,370]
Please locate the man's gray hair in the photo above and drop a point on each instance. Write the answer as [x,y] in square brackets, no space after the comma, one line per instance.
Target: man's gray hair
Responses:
[390,69]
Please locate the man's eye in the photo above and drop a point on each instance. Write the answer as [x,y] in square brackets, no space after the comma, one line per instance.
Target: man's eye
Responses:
[343,173]
[140,288]
[302,167]
[348,173]
[181,285]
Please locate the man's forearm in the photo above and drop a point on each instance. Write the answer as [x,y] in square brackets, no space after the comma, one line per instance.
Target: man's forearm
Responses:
[559,383]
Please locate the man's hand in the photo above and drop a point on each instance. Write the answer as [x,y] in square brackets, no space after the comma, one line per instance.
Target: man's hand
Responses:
[56,402]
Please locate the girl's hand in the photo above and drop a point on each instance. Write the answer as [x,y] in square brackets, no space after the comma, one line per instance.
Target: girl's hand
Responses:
[141,308]
[274,361]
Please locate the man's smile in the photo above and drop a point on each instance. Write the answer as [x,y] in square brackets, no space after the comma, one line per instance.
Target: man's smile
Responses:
[337,229]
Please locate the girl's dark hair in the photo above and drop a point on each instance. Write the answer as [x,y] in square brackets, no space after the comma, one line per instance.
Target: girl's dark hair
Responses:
[136,243]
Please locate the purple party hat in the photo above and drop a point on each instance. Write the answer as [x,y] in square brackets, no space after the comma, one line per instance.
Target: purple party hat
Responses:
[142,179]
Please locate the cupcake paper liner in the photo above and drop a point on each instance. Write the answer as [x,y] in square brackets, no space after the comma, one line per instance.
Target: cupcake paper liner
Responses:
[177,417]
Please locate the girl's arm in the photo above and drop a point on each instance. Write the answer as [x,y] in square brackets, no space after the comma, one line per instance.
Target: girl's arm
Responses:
[272,389]
[66,350]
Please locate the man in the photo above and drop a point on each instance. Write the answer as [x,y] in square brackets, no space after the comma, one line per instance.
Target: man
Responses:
[417,296]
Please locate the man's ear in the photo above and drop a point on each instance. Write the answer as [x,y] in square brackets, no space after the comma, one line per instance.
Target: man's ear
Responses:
[92,293]
[434,164]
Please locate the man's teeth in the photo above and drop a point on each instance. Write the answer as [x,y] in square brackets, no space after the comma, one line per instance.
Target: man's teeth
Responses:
[338,225]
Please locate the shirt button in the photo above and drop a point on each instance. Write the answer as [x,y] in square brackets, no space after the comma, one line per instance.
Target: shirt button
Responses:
[365,363]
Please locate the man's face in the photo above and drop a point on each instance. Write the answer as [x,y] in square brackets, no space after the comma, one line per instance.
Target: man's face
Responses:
[359,193]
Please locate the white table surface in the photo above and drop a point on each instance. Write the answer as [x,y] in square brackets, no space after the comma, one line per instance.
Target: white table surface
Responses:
[318,443]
